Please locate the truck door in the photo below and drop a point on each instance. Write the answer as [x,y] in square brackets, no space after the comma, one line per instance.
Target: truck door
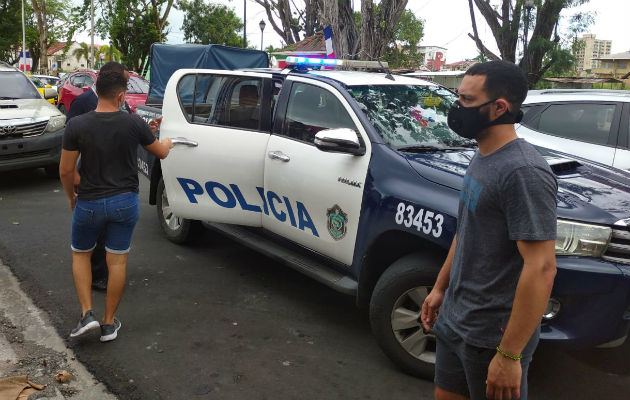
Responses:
[314,197]
[217,121]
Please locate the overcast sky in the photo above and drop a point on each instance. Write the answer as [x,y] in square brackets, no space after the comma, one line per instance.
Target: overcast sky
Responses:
[447,24]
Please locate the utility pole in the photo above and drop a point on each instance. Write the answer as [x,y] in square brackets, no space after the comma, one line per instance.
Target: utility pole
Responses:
[23,39]
[92,34]
[244,23]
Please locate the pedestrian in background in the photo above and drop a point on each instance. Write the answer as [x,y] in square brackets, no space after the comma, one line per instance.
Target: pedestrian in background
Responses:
[107,199]
[83,103]
[497,278]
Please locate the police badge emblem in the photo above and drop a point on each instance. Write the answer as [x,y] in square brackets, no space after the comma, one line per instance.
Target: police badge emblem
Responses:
[337,221]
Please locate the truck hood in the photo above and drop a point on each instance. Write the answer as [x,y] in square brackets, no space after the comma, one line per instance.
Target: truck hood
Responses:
[27,108]
[587,191]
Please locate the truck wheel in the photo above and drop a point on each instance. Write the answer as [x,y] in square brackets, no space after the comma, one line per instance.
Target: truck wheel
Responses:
[177,230]
[395,309]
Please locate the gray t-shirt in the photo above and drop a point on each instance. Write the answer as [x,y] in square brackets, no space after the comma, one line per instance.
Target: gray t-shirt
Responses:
[508,195]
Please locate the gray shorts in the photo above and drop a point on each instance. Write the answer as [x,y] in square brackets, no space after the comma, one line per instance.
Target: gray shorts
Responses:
[463,369]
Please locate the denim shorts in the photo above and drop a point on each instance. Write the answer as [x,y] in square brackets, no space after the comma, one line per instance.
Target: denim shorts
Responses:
[115,217]
[463,369]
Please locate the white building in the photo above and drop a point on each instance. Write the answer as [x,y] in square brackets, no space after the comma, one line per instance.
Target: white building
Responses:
[593,48]
[60,61]
[431,54]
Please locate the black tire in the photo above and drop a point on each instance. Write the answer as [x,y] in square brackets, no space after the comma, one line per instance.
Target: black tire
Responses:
[62,108]
[400,291]
[52,171]
[177,230]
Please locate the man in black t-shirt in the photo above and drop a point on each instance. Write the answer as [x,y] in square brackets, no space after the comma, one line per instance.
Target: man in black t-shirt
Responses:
[107,199]
[82,104]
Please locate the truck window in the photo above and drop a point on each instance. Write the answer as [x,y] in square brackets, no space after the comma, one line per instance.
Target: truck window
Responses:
[198,95]
[312,109]
[242,103]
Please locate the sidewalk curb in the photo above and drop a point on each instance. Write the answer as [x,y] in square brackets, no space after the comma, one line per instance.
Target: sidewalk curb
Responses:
[29,345]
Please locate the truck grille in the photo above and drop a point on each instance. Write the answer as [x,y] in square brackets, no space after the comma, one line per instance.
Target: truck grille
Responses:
[619,247]
[10,129]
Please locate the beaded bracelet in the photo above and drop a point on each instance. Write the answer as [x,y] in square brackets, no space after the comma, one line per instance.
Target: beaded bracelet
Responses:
[510,356]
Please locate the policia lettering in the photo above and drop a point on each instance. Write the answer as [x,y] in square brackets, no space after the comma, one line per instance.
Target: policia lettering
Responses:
[230,197]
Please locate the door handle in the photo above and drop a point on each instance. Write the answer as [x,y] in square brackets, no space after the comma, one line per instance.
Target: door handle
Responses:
[278,155]
[184,141]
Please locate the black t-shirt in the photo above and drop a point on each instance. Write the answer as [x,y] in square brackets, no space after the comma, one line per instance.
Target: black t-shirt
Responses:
[108,144]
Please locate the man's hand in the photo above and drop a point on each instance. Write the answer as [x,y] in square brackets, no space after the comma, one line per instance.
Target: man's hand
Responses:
[167,142]
[73,202]
[504,379]
[154,124]
[431,307]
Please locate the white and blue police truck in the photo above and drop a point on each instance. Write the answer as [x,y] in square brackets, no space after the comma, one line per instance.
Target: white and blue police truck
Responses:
[354,179]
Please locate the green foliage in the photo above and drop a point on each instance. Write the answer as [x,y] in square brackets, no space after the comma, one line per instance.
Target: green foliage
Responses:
[210,23]
[403,52]
[132,31]
[10,28]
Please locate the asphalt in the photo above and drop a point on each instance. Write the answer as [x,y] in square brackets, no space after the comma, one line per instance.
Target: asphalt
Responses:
[214,320]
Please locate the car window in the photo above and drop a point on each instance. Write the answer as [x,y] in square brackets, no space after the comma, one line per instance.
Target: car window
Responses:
[198,94]
[78,80]
[88,80]
[137,85]
[14,85]
[312,109]
[241,108]
[585,122]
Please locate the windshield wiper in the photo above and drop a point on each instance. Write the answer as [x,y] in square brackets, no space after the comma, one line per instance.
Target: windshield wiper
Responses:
[427,148]
[8,98]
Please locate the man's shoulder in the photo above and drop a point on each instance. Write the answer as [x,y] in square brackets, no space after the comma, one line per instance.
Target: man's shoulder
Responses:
[88,95]
[523,154]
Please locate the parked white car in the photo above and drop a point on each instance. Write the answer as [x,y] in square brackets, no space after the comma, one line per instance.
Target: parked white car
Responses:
[593,124]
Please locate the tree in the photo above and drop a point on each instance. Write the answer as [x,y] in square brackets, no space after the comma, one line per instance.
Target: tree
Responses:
[83,52]
[290,22]
[403,52]
[210,23]
[10,29]
[506,21]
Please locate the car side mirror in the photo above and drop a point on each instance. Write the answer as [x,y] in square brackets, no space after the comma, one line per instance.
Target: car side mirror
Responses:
[50,93]
[341,140]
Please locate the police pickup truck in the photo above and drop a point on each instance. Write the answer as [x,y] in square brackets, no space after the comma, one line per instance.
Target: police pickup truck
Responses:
[354,179]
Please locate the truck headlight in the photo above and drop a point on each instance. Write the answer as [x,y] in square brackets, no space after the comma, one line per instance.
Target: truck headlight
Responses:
[55,123]
[576,239]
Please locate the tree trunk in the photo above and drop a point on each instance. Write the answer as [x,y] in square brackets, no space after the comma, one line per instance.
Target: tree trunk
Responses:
[39,6]
[377,26]
[340,16]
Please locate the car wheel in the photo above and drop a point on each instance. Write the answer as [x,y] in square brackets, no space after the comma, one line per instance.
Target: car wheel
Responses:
[62,108]
[177,230]
[395,309]
[52,171]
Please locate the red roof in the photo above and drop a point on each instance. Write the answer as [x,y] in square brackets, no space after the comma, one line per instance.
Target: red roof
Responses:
[55,48]
[311,43]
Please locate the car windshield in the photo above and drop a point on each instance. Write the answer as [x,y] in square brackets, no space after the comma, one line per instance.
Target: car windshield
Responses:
[14,85]
[37,82]
[137,85]
[410,116]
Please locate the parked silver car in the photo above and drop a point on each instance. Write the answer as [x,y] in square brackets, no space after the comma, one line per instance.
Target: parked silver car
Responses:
[593,124]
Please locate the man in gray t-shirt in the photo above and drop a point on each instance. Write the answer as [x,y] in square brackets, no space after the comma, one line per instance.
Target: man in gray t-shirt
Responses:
[498,275]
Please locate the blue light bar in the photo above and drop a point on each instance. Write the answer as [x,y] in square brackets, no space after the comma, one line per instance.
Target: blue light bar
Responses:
[313,61]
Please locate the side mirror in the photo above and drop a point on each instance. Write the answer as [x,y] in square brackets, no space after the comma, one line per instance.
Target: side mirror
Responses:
[341,140]
[50,93]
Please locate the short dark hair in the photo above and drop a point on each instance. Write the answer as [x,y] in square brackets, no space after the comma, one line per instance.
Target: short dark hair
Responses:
[110,83]
[113,66]
[503,79]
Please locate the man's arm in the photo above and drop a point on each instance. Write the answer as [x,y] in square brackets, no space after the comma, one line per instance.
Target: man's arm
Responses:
[433,301]
[66,174]
[159,148]
[532,295]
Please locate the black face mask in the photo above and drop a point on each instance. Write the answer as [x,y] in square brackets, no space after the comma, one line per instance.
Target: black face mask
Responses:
[468,121]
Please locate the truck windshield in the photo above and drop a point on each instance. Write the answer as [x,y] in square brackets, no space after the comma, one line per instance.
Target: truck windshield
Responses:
[410,116]
[15,85]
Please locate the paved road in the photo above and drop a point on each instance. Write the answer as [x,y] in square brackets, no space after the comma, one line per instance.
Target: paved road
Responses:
[215,320]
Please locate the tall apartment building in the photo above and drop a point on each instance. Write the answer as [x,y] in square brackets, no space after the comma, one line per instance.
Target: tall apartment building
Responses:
[593,48]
